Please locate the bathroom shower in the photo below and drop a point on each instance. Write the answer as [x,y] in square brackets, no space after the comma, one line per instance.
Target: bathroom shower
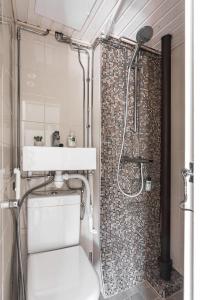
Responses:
[143,36]
[93,124]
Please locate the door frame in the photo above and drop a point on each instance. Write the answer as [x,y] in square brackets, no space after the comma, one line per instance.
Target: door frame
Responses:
[189,152]
[196,95]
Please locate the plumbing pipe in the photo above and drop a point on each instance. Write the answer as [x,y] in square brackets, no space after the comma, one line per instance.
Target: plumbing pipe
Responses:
[21,279]
[17,183]
[83,70]
[6,21]
[88,126]
[143,47]
[58,179]
[60,37]
[9,21]
[18,97]
[35,31]
[86,183]
[165,175]
[90,179]
[88,207]
[135,130]
[81,189]
[38,32]
[30,175]
[92,100]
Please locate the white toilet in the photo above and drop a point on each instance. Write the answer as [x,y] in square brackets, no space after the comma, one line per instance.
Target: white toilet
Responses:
[58,268]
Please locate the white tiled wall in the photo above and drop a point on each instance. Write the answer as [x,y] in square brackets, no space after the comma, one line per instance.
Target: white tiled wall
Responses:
[51,96]
[6,96]
[51,87]
[33,111]
[39,119]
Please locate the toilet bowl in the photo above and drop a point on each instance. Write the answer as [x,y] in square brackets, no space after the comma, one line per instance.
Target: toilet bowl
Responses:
[57,268]
[61,275]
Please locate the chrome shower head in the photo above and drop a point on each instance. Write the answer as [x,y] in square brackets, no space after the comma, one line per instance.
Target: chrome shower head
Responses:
[144,35]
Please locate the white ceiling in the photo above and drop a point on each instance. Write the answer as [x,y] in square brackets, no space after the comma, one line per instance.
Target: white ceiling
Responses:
[165,16]
[68,12]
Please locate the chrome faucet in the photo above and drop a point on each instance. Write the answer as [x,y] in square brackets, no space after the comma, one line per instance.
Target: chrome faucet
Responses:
[55,139]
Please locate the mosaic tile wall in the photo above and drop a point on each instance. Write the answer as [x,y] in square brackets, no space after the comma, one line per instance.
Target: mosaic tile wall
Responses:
[130,228]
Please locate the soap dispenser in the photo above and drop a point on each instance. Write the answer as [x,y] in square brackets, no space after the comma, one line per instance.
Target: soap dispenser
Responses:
[71,140]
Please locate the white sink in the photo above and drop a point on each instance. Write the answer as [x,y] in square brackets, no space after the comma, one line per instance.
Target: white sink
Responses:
[58,158]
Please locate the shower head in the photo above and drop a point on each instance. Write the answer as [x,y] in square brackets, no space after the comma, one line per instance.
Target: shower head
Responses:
[144,34]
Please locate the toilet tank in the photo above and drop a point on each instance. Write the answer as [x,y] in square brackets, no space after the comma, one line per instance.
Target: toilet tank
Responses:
[53,221]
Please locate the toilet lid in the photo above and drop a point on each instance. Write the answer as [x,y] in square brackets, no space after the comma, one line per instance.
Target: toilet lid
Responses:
[64,274]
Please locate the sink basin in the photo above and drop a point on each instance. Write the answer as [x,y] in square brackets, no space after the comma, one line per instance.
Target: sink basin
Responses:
[58,158]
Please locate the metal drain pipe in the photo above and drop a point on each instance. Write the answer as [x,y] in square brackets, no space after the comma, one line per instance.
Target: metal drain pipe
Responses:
[165,175]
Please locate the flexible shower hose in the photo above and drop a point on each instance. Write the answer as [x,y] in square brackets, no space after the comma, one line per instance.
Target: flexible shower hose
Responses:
[124,133]
[21,293]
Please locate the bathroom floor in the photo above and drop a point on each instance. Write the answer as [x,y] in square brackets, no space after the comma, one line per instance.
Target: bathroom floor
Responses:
[143,292]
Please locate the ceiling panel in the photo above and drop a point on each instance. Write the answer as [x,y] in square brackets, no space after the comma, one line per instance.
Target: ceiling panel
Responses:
[173,25]
[129,15]
[97,5]
[154,17]
[165,16]
[99,19]
[147,10]
[169,15]
[71,13]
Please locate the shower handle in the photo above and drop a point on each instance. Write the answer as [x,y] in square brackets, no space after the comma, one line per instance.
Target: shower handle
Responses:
[188,177]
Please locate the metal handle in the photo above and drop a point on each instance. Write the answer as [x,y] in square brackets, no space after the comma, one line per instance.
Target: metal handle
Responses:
[186,174]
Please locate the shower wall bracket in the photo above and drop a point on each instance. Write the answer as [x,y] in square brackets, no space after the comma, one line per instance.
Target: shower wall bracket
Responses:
[165,175]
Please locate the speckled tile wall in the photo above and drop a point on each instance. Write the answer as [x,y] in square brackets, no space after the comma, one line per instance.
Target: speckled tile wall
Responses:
[130,228]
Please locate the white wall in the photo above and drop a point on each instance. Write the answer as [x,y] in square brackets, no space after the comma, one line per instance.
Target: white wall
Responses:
[52,78]
[51,89]
[177,162]
[6,97]
[51,99]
